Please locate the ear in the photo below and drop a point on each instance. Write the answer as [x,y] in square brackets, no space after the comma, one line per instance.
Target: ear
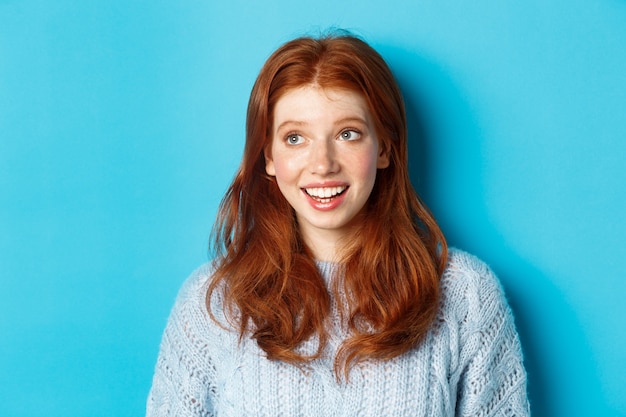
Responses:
[383,159]
[269,162]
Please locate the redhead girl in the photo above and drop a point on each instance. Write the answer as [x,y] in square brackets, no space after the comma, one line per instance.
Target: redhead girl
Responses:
[333,292]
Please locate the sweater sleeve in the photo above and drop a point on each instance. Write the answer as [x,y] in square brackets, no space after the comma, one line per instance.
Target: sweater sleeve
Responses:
[493,378]
[184,375]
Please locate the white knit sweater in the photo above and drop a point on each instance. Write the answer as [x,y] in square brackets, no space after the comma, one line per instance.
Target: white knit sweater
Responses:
[469,364]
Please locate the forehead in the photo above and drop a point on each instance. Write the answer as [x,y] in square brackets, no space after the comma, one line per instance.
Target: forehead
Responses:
[313,102]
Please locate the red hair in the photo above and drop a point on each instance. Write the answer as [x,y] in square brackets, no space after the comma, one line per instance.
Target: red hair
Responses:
[390,266]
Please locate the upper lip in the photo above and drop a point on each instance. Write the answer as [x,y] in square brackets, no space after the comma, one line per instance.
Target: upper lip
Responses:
[325,184]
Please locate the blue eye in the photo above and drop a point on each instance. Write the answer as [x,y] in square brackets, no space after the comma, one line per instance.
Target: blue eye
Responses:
[349,135]
[293,139]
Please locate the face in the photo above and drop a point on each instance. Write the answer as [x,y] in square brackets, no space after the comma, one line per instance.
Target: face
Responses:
[324,154]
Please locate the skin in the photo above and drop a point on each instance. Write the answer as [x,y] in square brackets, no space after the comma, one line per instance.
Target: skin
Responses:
[324,154]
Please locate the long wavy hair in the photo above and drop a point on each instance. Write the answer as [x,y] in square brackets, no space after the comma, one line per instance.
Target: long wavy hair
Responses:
[389,268]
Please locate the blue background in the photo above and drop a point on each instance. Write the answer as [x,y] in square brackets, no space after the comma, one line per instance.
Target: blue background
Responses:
[122,123]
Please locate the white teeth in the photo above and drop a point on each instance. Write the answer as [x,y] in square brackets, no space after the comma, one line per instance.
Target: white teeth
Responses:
[325,192]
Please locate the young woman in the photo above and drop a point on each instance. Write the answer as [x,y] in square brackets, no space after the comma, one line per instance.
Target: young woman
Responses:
[333,292]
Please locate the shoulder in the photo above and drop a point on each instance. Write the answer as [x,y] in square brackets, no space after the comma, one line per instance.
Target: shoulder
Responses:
[190,323]
[190,306]
[470,290]
[466,270]
[196,283]
[193,302]
[461,264]
[487,362]
[192,292]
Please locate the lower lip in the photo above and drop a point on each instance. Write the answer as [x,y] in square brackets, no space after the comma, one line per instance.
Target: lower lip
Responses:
[331,205]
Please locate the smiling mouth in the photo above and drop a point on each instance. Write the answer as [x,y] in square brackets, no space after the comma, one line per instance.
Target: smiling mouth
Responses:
[325,194]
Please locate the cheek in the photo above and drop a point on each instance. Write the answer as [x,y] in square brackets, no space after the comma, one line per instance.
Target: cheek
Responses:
[365,167]
[281,168]
[287,167]
[285,173]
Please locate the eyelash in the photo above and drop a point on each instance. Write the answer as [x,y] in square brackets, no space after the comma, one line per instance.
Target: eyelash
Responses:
[355,131]
[291,135]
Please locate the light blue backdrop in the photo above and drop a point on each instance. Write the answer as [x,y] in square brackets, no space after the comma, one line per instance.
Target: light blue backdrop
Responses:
[121,124]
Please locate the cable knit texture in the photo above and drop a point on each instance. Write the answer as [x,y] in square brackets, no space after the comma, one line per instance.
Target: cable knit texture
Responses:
[469,364]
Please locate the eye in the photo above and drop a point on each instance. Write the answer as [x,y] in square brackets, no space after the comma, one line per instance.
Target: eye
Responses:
[294,139]
[349,134]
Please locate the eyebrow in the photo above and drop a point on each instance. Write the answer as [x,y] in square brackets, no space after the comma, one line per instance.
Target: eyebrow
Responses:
[289,122]
[345,120]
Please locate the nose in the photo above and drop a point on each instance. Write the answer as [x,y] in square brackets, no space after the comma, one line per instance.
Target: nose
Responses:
[323,158]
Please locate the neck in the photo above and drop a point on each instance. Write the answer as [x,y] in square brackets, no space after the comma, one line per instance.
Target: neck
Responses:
[323,244]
